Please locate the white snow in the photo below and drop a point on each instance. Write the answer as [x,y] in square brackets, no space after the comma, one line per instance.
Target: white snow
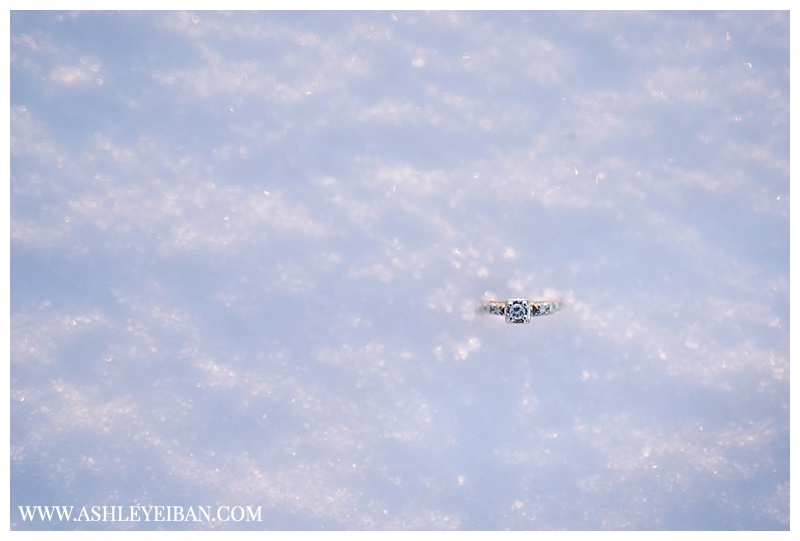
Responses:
[247,251]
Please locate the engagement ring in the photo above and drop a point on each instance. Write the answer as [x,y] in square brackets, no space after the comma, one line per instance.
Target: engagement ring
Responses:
[520,310]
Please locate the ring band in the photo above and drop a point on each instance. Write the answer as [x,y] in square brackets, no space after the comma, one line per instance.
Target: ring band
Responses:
[520,310]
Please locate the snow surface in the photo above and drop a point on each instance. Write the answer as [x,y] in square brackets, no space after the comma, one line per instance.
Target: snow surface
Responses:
[247,251]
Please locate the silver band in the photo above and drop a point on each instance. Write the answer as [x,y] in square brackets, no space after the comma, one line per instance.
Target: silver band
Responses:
[520,310]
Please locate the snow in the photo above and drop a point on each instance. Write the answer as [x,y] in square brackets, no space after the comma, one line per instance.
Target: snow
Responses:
[247,251]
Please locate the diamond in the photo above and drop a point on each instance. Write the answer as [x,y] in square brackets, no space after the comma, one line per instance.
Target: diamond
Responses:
[518,311]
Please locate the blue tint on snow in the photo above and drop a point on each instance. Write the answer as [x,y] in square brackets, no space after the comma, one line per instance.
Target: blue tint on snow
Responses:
[247,251]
